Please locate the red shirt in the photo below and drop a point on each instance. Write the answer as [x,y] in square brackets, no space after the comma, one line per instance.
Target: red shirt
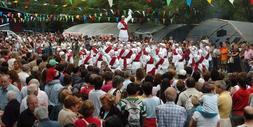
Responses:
[91,120]
[86,89]
[240,100]
[106,87]
[51,73]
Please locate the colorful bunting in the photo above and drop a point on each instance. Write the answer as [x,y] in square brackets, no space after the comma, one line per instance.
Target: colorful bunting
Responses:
[168,2]
[209,1]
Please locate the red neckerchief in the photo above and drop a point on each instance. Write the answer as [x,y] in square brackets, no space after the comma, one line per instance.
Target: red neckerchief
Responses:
[124,24]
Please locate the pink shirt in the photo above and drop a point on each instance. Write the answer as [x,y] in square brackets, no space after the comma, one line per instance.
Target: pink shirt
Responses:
[248,54]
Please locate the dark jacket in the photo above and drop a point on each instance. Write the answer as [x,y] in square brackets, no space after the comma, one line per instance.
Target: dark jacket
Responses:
[114,111]
[26,119]
[11,113]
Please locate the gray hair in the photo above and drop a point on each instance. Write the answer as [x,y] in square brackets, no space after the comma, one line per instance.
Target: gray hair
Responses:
[41,112]
[34,81]
[11,95]
[221,84]
[32,89]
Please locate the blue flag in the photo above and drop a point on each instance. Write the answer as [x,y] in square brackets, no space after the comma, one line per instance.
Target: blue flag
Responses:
[188,2]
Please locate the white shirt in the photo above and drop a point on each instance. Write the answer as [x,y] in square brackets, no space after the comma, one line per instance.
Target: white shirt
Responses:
[94,97]
[42,99]
[205,122]
[22,76]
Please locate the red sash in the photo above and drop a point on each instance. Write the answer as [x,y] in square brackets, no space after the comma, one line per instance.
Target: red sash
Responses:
[86,59]
[157,51]
[138,57]
[99,58]
[151,60]
[207,56]
[124,24]
[121,53]
[127,57]
[113,61]
[108,49]
[160,62]
[196,65]
[69,56]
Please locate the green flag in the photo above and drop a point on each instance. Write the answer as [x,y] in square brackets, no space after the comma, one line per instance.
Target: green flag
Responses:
[71,1]
[168,2]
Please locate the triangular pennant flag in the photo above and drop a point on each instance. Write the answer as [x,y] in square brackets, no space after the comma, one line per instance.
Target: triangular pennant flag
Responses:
[71,1]
[209,1]
[231,1]
[110,2]
[188,2]
[168,2]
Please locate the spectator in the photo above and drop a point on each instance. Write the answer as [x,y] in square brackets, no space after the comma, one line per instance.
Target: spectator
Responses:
[132,102]
[108,76]
[87,110]
[117,83]
[11,111]
[6,86]
[150,102]
[170,114]
[41,114]
[127,80]
[87,87]
[108,107]
[223,55]
[113,121]
[140,75]
[224,103]
[248,117]
[15,79]
[207,114]
[25,72]
[27,118]
[52,88]
[56,109]
[69,113]
[240,100]
[94,95]
[184,97]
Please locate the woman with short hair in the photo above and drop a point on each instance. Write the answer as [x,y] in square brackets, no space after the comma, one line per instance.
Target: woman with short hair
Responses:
[87,109]
[69,113]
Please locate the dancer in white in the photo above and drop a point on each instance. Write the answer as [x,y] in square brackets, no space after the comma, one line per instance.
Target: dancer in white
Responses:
[123,27]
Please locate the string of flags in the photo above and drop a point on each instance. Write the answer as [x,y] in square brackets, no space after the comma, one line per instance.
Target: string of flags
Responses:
[104,15]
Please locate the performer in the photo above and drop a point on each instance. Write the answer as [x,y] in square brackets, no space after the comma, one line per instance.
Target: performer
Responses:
[123,27]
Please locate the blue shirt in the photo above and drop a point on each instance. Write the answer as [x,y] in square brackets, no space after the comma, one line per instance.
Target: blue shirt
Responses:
[3,95]
[52,89]
[170,115]
[150,104]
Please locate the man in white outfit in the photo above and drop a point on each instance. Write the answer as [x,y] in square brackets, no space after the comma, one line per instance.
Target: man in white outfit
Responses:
[123,27]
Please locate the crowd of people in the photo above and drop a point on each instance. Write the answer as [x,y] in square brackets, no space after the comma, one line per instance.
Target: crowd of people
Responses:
[55,80]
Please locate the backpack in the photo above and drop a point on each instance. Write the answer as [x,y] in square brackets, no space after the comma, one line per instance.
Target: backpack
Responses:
[188,103]
[134,113]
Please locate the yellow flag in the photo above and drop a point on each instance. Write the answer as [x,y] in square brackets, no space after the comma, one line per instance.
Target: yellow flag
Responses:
[209,1]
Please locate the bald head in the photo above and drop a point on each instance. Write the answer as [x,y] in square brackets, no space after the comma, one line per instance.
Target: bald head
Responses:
[248,113]
[170,94]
